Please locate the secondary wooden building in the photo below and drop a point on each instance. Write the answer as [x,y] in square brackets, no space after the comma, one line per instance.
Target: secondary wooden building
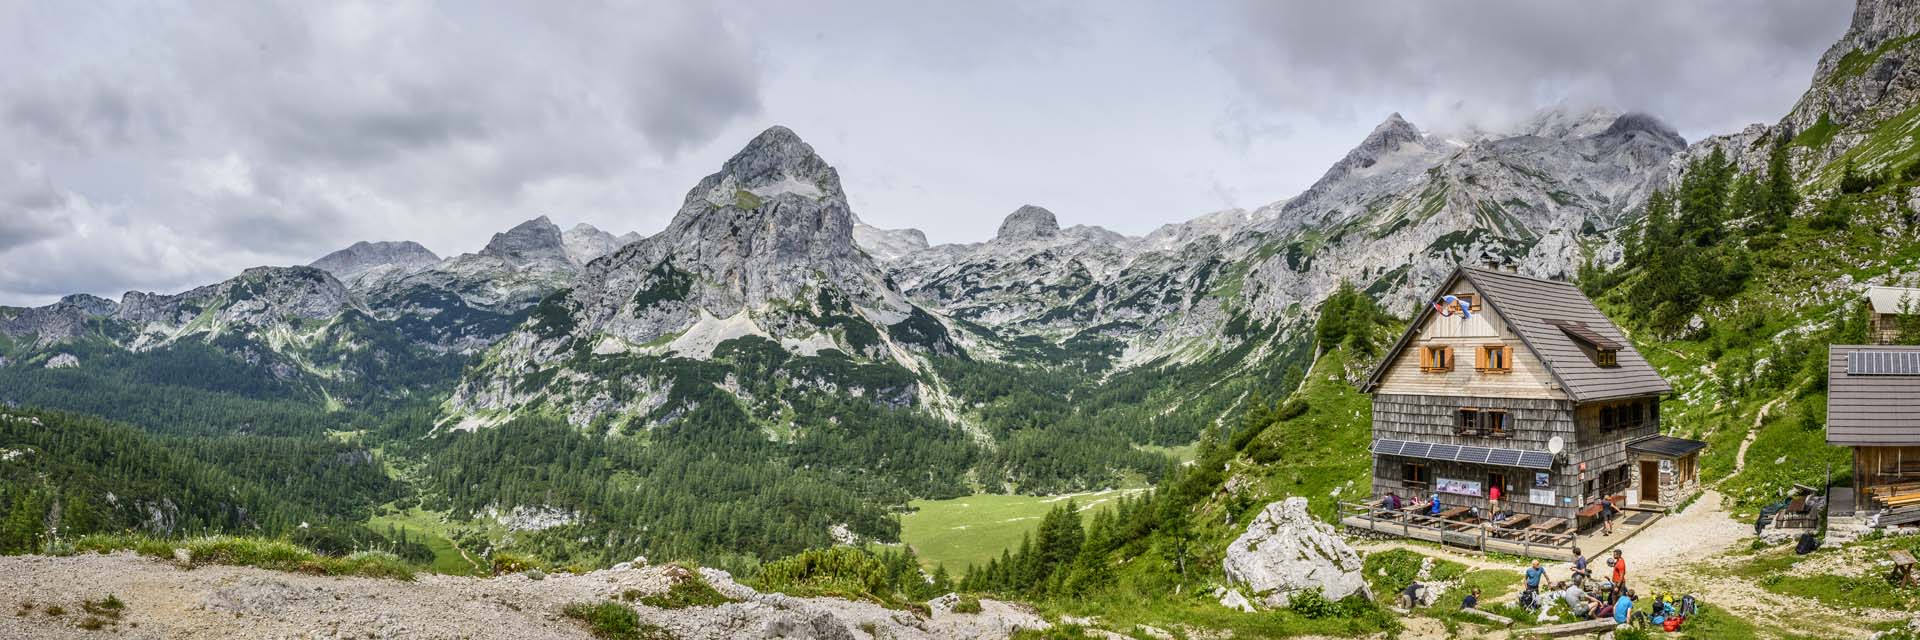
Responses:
[1873,406]
[1888,304]
[1522,385]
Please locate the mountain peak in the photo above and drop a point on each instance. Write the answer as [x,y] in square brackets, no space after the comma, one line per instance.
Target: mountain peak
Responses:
[533,239]
[1029,222]
[775,162]
[362,256]
[1390,134]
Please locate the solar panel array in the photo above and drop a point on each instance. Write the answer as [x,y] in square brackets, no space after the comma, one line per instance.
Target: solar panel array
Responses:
[1461,453]
[1883,363]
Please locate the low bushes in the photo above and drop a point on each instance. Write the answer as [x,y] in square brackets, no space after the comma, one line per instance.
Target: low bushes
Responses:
[278,555]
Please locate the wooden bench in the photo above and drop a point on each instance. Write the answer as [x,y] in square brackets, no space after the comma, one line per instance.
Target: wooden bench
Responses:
[1585,627]
[1516,522]
[1903,574]
[1542,531]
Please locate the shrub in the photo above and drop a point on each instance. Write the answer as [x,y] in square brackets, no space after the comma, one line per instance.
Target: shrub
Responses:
[506,562]
[56,610]
[615,621]
[111,607]
[690,591]
[92,623]
[967,604]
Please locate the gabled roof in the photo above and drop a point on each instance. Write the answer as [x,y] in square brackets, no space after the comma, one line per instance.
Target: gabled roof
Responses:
[1537,310]
[1893,299]
[1876,400]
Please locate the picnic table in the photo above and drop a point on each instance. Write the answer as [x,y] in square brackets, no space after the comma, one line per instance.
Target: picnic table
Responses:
[1516,521]
[1540,531]
[1903,574]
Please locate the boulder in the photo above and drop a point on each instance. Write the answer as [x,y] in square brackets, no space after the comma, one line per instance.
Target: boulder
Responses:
[1285,551]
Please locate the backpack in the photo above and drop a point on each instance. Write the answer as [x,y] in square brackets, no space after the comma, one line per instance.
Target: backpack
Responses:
[1687,606]
[1672,624]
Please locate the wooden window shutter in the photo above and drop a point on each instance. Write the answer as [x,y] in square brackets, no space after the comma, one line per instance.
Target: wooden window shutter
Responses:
[1448,364]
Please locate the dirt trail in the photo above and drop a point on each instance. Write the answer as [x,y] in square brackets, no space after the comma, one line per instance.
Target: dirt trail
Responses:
[1740,459]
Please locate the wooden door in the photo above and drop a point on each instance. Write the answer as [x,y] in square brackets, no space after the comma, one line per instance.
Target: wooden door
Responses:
[1650,481]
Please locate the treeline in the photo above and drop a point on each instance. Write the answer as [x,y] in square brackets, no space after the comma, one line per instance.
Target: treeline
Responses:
[66,475]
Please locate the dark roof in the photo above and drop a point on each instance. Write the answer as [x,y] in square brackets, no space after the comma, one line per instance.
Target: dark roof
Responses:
[1460,453]
[1871,409]
[1666,446]
[1537,310]
[1580,331]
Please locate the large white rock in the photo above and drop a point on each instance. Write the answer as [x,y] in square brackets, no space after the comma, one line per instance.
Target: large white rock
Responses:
[1286,551]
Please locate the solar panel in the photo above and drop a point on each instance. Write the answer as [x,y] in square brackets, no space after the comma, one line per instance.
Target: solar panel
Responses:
[1476,455]
[1504,457]
[1536,460]
[1445,452]
[1883,363]
[1388,447]
[1417,450]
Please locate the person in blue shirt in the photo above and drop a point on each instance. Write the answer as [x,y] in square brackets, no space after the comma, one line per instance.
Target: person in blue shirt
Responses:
[1580,570]
[1433,505]
[1623,610]
[1472,601]
[1535,576]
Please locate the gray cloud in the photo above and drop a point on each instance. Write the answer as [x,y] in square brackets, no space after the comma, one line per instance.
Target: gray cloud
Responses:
[238,134]
[1706,66]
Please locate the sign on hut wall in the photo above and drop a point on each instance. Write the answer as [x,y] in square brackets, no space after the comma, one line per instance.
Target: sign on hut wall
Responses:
[1457,487]
[1541,496]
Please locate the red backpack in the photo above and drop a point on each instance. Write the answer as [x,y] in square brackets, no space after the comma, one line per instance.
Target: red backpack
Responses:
[1672,623]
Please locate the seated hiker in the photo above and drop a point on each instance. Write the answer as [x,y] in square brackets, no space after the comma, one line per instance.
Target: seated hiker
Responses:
[1577,600]
[1623,608]
[1472,601]
[1433,505]
[1392,503]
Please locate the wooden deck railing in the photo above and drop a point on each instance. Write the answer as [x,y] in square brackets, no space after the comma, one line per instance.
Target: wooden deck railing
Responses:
[1483,536]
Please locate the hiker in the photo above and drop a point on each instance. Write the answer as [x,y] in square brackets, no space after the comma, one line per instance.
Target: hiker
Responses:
[1578,602]
[1619,564]
[1580,571]
[1392,503]
[1623,608]
[1493,499]
[1433,505]
[1607,513]
[1472,601]
[1411,597]
[1535,576]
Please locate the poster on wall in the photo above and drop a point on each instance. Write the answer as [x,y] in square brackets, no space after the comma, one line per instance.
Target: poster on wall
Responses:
[1541,480]
[1666,466]
[1541,497]
[1458,487]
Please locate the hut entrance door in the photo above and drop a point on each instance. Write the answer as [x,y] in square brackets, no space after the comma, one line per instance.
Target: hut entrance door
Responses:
[1650,481]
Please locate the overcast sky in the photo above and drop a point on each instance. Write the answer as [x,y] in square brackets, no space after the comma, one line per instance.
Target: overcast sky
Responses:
[159,146]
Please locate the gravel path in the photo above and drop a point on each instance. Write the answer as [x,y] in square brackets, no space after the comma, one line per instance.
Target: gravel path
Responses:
[166,601]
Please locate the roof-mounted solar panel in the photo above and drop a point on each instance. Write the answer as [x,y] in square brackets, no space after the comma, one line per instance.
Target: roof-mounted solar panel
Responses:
[1883,363]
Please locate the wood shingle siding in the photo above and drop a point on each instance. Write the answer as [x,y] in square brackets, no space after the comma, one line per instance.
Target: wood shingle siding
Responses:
[1871,410]
[1530,307]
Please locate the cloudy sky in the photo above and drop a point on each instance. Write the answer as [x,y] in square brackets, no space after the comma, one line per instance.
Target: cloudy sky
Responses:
[157,146]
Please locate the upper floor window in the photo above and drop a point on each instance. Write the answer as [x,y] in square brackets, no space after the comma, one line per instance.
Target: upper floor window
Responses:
[1436,359]
[1627,415]
[1495,358]
[1491,423]
[1606,357]
[1469,300]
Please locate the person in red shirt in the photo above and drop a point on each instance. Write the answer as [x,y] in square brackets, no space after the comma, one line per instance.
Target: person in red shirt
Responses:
[1619,570]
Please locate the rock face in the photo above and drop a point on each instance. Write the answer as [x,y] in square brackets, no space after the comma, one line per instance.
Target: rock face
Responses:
[364,265]
[63,361]
[764,248]
[1028,223]
[585,242]
[467,302]
[261,301]
[1286,551]
[887,244]
[51,324]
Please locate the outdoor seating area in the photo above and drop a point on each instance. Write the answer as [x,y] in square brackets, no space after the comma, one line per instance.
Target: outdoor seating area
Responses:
[1547,538]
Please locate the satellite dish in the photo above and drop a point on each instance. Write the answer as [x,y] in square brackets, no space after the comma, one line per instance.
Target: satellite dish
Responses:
[1555,445]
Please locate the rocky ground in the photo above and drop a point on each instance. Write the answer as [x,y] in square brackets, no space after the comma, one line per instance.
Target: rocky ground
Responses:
[163,600]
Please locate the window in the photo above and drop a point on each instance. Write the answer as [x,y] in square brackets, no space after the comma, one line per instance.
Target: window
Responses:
[1413,475]
[1606,418]
[1470,300]
[1491,423]
[1436,359]
[1606,358]
[1497,480]
[1495,358]
[1495,423]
